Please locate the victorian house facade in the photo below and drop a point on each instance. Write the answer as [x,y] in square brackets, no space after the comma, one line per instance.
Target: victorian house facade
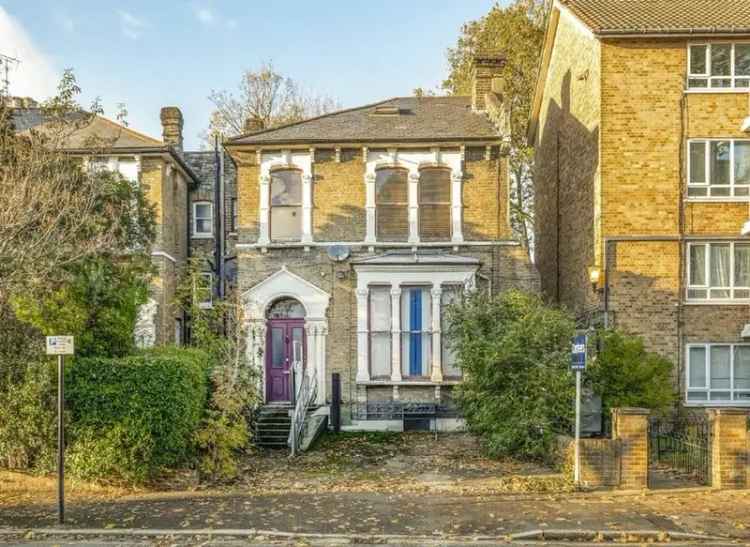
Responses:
[640,125]
[355,230]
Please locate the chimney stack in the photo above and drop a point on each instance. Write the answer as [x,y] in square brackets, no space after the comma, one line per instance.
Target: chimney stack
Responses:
[485,67]
[253,125]
[171,123]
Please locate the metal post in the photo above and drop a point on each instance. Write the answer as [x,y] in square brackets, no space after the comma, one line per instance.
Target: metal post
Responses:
[60,440]
[577,465]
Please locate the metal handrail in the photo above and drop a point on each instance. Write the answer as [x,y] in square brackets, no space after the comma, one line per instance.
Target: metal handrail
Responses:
[304,395]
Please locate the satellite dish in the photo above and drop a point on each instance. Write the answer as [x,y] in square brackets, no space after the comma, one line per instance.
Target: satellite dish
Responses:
[338,253]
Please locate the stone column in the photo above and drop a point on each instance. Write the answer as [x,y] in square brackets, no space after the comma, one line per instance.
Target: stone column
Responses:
[437,354]
[370,207]
[729,448]
[264,235]
[395,333]
[307,208]
[363,369]
[630,427]
[413,192]
[457,178]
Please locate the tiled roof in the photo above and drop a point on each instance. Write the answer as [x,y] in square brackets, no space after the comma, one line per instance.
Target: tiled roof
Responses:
[706,17]
[413,119]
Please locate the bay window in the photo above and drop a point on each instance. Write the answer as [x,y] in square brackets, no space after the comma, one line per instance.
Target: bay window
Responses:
[719,66]
[286,205]
[718,271]
[392,204]
[380,332]
[416,332]
[718,373]
[719,168]
[435,204]
[450,295]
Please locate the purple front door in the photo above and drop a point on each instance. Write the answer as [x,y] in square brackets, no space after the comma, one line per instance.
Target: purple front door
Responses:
[286,342]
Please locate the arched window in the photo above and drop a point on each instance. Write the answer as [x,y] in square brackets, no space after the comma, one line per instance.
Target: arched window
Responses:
[286,308]
[435,204]
[286,205]
[391,204]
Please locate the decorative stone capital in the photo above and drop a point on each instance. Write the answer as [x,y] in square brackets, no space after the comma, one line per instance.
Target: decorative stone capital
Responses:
[370,178]
[457,176]
[396,292]
[436,292]
[414,176]
[265,179]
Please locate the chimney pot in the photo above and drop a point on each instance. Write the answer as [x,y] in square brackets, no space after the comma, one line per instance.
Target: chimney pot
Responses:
[171,124]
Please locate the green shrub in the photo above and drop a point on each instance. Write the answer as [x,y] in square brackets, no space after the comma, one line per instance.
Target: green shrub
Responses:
[28,417]
[625,374]
[515,354]
[135,415]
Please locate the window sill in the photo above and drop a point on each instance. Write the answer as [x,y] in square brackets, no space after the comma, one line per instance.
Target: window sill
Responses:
[408,383]
[744,302]
[722,199]
[722,404]
[716,90]
[202,236]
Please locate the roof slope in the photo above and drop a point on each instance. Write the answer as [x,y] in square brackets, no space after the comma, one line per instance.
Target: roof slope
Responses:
[613,17]
[100,128]
[419,119]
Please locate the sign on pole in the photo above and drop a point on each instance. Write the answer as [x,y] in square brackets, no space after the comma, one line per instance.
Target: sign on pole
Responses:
[60,346]
[578,363]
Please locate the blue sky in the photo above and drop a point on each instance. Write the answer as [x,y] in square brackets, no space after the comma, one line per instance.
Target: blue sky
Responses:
[148,54]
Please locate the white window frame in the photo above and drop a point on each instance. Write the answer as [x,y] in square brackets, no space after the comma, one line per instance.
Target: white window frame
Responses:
[707,75]
[206,304]
[202,235]
[707,274]
[707,159]
[707,387]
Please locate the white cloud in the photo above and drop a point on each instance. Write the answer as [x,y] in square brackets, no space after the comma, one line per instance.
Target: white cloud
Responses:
[205,16]
[130,25]
[35,76]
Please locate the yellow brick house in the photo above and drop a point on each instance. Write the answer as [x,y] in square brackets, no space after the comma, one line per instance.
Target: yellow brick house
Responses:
[355,229]
[640,124]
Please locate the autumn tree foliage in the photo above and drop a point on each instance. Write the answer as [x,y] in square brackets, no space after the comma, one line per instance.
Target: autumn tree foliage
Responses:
[516,31]
[264,98]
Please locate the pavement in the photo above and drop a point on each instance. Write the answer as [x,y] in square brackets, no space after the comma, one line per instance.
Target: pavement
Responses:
[379,518]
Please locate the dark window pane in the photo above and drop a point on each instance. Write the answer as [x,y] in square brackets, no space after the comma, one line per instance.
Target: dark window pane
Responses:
[742,60]
[721,83]
[435,222]
[391,186]
[697,82]
[434,186]
[698,60]
[392,222]
[286,308]
[742,162]
[277,348]
[286,187]
[721,60]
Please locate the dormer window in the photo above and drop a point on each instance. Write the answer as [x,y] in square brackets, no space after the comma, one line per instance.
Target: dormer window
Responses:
[286,205]
[719,66]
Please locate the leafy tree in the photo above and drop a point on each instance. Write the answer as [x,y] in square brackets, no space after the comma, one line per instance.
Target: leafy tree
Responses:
[625,374]
[517,31]
[221,332]
[517,391]
[54,213]
[265,99]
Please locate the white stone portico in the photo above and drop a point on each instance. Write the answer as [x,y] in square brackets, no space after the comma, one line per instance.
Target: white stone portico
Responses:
[285,284]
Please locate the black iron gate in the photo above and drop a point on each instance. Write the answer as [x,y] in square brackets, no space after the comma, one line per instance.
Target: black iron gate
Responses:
[679,450]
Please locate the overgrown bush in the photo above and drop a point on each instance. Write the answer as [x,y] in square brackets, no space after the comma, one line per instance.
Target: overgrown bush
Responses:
[28,418]
[135,415]
[625,374]
[515,354]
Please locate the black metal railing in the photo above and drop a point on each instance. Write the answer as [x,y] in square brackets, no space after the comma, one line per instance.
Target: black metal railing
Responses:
[680,445]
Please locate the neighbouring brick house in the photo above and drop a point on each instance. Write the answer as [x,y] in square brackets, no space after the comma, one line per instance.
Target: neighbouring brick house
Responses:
[355,229]
[640,125]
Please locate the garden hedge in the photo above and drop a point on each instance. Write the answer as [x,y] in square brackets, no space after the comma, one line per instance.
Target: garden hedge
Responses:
[134,415]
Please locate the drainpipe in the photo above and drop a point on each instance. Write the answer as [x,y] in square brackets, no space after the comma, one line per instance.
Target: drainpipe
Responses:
[218,220]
